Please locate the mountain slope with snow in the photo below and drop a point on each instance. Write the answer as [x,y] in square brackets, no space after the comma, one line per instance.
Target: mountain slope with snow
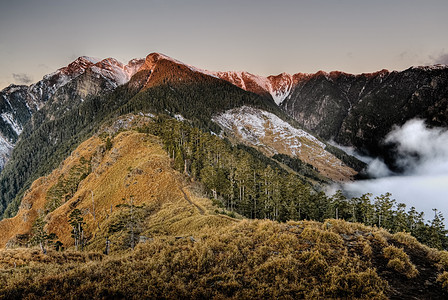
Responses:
[19,103]
[272,135]
[276,87]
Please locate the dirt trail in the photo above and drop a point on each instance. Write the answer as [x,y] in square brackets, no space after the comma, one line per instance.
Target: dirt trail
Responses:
[200,209]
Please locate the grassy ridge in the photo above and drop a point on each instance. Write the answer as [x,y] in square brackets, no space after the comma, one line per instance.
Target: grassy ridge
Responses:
[248,260]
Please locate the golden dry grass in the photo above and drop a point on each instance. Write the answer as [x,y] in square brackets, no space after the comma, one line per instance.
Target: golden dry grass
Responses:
[21,257]
[136,167]
[399,261]
[191,251]
[34,199]
[249,259]
[246,260]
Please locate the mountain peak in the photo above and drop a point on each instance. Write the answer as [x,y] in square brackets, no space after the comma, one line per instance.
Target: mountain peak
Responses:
[277,87]
[115,71]
[110,61]
[78,66]
[91,59]
[13,87]
[380,73]
[152,59]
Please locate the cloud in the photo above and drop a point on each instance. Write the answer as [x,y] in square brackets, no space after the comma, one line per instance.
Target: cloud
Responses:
[44,67]
[22,78]
[422,153]
[420,149]
[377,168]
[440,59]
[375,165]
[422,192]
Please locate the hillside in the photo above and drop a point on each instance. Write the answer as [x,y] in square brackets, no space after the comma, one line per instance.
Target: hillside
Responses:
[185,245]
[75,111]
[113,169]
[97,181]
[356,110]
[271,135]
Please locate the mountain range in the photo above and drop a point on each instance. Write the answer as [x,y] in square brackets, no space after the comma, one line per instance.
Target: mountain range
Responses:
[157,150]
[352,110]
[355,110]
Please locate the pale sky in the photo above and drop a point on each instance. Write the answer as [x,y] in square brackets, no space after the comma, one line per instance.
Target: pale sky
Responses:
[261,37]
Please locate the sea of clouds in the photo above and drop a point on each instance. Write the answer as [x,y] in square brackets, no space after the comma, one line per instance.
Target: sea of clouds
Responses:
[422,154]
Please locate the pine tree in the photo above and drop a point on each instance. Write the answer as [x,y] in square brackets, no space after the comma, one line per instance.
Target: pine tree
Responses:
[76,221]
[39,234]
[108,144]
[437,231]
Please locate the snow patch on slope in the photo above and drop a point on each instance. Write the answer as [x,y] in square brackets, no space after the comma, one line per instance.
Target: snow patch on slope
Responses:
[5,151]
[431,67]
[179,117]
[279,87]
[279,96]
[254,124]
[116,72]
[271,135]
[9,118]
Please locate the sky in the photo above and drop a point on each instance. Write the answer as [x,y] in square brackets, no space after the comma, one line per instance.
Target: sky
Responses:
[261,37]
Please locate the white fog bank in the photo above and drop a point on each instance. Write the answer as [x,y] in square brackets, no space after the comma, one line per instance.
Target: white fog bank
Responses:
[422,152]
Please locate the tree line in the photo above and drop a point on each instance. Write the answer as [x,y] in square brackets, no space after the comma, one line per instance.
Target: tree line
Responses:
[241,180]
[246,182]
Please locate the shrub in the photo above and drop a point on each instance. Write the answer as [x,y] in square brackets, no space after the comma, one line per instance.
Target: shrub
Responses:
[399,261]
[443,279]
